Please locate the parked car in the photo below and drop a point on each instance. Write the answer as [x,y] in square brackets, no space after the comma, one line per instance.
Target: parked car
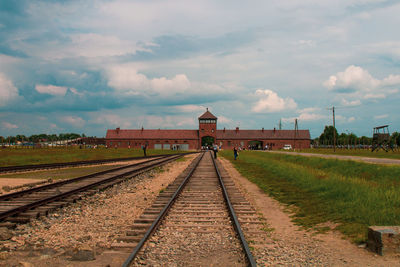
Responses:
[287,147]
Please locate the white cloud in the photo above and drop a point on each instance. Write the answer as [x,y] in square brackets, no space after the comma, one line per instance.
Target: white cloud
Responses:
[383,116]
[191,108]
[352,78]
[112,120]
[351,103]
[307,114]
[125,78]
[269,102]
[351,119]
[74,121]
[75,91]
[223,119]
[156,122]
[177,84]
[94,45]
[357,82]
[9,125]
[8,91]
[51,89]
[374,96]
[309,43]
[391,80]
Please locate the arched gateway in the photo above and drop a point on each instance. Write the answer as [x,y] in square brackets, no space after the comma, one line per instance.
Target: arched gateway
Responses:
[206,133]
[207,129]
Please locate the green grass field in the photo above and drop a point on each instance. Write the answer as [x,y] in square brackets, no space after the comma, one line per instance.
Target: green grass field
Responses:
[355,195]
[355,152]
[23,156]
[56,174]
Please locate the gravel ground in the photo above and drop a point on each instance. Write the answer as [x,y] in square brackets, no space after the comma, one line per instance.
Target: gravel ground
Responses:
[93,222]
[167,248]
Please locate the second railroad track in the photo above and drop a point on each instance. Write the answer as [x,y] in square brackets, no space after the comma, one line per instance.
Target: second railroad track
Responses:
[21,206]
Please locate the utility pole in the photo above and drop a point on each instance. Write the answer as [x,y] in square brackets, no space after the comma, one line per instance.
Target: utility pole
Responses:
[334,128]
[296,128]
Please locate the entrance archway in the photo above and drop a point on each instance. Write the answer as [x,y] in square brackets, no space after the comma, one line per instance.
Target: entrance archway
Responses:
[207,141]
[255,145]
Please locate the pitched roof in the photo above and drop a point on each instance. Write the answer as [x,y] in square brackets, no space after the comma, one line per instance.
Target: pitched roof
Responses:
[207,115]
[152,134]
[260,134]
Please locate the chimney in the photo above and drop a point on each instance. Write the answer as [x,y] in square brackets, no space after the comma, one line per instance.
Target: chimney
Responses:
[224,129]
[142,128]
[237,129]
[117,130]
[274,130]
[262,129]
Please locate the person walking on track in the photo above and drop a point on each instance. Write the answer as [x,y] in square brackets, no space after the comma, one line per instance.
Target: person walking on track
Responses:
[215,148]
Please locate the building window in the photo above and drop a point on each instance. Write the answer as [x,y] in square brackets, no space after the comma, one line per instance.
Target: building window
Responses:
[110,143]
[212,130]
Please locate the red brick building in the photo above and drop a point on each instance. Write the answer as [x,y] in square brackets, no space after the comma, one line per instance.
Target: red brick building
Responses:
[207,134]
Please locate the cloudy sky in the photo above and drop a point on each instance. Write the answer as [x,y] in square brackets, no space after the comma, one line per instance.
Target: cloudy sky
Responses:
[86,66]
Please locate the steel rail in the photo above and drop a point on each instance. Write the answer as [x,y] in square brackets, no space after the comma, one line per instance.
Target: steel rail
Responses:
[6,169]
[73,180]
[43,201]
[161,215]
[234,218]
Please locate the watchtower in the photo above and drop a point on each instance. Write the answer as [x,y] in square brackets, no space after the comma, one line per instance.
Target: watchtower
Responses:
[381,138]
[207,129]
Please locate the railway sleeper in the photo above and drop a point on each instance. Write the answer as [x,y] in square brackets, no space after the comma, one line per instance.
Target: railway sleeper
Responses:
[129,239]
[135,226]
[148,216]
[123,245]
[211,226]
[153,210]
[144,220]
[8,225]
[18,219]
[137,232]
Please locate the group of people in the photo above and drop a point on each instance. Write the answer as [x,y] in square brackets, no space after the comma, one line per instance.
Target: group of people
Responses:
[235,151]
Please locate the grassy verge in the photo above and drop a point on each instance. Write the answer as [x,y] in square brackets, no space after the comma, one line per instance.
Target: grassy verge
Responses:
[23,156]
[352,194]
[354,152]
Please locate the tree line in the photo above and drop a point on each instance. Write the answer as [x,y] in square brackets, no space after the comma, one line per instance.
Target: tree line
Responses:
[349,139]
[37,138]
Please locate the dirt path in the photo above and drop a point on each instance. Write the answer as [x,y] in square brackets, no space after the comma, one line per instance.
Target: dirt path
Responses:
[343,157]
[288,244]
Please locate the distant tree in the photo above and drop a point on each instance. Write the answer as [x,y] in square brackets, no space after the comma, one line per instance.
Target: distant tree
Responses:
[327,136]
[365,140]
[395,138]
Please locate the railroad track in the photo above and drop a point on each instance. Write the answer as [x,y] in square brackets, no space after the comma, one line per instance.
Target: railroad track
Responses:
[196,215]
[22,206]
[23,168]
